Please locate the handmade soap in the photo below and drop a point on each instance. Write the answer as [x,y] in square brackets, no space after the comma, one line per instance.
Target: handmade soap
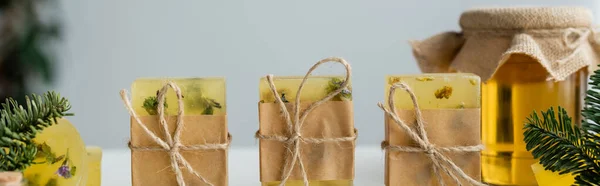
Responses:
[203,124]
[450,105]
[94,158]
[62,157]
[314,89]
[549,178]
[437,91]
[201,96]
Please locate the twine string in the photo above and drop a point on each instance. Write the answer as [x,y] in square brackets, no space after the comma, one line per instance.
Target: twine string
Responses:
[440,161]
[172,145]
[294,125]
[582,37]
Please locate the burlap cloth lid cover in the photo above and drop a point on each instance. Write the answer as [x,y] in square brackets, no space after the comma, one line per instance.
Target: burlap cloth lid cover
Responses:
[561,39]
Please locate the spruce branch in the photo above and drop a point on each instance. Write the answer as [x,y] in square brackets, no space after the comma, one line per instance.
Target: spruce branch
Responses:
[566,148]
[19,125]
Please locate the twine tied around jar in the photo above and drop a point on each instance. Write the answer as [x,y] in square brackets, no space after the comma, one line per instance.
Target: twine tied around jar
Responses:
[294,125]
[440,161]
[172,145]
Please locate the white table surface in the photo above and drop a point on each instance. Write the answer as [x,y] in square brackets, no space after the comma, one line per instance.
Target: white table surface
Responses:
[243,166]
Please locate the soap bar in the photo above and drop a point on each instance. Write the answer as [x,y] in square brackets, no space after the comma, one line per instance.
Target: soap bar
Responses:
[203,123]
[450,107]
[94,159]
[314,89]
[549,178]
[201,96]
[437,91]
[62,143]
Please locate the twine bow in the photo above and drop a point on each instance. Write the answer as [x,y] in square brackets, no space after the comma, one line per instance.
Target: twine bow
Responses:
[582,37]
[172,145]
[440,161]
[294,126]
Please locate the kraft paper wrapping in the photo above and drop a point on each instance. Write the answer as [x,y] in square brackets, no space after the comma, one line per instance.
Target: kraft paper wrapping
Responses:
[445,128]
[322,161]
[149,168]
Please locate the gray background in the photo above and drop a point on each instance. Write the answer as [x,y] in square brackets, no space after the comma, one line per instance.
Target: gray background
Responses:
[109,43]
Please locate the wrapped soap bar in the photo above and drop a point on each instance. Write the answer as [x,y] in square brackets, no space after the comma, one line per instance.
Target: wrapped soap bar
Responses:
[431,124]
[185,116]
[94,159]
[317,139]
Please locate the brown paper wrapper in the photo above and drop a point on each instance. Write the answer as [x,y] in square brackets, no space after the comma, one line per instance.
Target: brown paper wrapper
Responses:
[153,168]
[445,128]
[324,161]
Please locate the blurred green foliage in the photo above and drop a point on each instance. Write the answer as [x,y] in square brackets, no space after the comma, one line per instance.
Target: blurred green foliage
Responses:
[26,35]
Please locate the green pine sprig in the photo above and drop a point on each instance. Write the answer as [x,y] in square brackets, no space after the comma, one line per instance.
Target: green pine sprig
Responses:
[565,148]
[19,125]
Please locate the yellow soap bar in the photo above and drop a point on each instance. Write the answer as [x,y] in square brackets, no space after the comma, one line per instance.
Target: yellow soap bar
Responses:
[437,91]
[94,159]
[549,178]
[201,96]
[60,147]
[314,89]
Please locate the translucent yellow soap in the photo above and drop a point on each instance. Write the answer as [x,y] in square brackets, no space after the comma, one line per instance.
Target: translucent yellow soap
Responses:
[201,96]
[549,178]
[437,90]
[94,159]
[315,88]
[62,157]
[434,93]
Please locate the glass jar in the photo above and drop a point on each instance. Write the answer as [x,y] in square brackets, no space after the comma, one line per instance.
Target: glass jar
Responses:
[518,88]
[529,59]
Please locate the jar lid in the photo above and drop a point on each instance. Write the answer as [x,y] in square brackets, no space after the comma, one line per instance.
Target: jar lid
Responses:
[561,39]
[526,18]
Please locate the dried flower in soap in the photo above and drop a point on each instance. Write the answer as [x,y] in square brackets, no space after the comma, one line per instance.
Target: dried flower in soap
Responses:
[425,78]
[64,171]
[336,83]
[393,80]
[444,92]
[473,82]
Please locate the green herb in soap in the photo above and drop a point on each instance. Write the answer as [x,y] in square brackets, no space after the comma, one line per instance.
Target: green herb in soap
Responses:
[335,84]
[151,104]
[210,105]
